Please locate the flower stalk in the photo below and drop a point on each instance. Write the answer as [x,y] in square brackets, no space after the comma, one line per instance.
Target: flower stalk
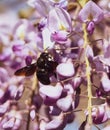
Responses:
[31,97]
[86,41]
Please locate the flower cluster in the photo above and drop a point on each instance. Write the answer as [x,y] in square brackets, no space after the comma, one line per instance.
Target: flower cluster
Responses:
[66,44]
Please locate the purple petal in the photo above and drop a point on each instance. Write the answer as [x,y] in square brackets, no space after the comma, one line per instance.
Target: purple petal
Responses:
[28,60]
[42,24]
[49,101]
[17,48]
[99,114]
[37,101]
[60,36]
[76,82]
[90,27]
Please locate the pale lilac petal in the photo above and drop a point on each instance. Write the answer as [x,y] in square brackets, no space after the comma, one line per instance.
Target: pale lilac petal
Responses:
[89,52]
[42,6]
[66,69]
[46,35]
[3,75]
[59,19]
[31,3]
[2,92]
[105,61]
[105,81]
[42,124]
[51,91]
[32,114]
[65,103]
[6,54]
[106,49]
[19,92]
[92,11]
[4,107]
[9,123]
[17,124]
[55,123]
[69,88]
[12,89]
[24,31]
[59,3]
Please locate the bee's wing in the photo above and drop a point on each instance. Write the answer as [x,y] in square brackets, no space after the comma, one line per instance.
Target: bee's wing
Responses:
[27,70]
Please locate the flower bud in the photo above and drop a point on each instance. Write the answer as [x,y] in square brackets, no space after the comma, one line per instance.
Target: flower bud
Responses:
[33,114]
[90,27]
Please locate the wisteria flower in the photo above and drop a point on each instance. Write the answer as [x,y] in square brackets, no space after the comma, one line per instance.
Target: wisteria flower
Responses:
[99,114]
[25,31]
[59,19]
[59,25]
[43,7]
[91,12]
[65,31]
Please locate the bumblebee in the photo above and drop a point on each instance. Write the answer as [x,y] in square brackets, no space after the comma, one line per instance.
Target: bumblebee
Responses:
[44,67]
